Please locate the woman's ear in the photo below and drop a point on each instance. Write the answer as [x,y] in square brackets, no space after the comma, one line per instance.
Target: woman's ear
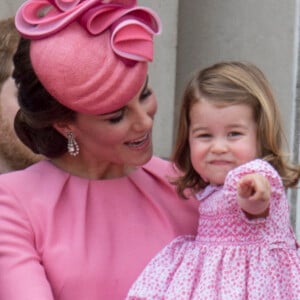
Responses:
[63,128]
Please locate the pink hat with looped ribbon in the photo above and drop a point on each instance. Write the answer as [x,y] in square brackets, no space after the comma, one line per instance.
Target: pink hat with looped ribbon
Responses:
[91,55]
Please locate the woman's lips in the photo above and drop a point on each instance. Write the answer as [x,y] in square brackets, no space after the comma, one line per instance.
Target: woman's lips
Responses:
[140,143]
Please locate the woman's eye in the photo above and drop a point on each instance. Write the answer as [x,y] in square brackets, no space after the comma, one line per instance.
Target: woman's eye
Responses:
[116,119]
[146,93]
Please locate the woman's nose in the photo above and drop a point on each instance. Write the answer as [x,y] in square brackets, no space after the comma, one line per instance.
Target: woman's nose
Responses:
[143,119]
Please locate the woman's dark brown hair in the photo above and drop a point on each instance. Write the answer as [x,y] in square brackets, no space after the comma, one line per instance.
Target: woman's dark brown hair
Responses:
[38,109]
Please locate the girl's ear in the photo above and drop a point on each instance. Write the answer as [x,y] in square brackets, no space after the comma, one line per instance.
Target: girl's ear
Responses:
[62,127]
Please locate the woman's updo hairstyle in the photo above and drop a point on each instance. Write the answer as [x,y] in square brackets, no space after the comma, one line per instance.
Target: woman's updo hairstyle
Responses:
[76,61]
[38,109]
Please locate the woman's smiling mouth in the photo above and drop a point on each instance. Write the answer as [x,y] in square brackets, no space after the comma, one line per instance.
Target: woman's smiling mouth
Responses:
[140,143]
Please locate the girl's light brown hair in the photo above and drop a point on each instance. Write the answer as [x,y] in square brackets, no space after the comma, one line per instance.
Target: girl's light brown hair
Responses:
[229,83]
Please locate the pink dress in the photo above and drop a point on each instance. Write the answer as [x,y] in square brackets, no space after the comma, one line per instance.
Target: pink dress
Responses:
[232,257]
[64,237]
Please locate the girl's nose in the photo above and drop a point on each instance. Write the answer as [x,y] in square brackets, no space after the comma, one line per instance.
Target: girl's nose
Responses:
[219,146]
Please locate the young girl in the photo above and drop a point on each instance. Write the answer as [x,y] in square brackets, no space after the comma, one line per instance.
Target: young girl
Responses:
[229,147]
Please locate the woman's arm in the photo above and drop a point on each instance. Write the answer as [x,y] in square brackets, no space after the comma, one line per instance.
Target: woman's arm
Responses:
[22,275]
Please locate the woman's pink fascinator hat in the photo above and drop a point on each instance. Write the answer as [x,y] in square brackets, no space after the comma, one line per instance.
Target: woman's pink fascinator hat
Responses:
[91,55]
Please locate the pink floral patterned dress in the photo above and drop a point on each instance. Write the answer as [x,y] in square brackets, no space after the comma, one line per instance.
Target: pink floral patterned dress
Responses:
[232,257]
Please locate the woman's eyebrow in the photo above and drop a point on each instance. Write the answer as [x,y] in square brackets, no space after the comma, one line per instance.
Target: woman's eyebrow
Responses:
[112,112]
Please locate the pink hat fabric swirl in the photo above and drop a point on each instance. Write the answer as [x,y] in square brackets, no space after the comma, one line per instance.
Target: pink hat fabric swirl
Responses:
[91,55]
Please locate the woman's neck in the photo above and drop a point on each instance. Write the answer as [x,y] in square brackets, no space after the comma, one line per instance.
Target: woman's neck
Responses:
[91,169]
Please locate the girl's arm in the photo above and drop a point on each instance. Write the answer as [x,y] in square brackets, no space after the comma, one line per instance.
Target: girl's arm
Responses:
[254,193]
[256,189]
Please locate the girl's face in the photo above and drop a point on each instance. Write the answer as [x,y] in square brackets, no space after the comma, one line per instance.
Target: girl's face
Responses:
[118,139]
[221,138]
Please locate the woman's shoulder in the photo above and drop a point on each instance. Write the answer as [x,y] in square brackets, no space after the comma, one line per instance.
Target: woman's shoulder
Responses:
[31,177]
[160,166]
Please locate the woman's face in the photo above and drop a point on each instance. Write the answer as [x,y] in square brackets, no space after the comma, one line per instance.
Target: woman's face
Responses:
[121,138]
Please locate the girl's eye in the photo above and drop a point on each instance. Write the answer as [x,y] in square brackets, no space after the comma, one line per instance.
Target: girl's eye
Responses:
[146,93]
[234,133]
[204,136]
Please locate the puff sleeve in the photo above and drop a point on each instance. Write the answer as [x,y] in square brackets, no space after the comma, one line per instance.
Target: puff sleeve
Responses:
[261,167]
